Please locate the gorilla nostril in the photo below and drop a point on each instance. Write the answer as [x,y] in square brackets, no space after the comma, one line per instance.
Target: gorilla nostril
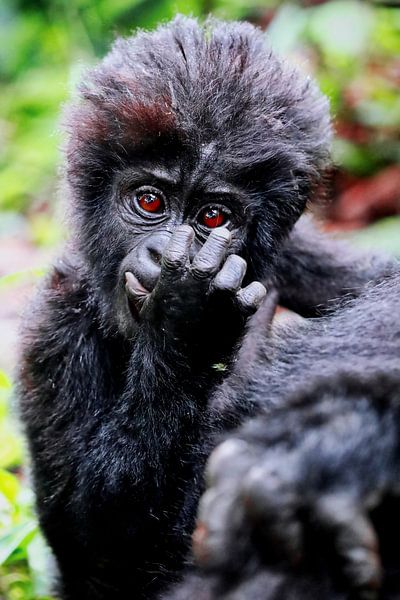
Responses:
[155,256]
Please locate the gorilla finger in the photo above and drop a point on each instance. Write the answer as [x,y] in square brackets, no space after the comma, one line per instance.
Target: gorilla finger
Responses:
[230,277]
[216,539]
[355,542]
[229,461]
[263,318]
[210,256]
[251,297]
[272,503]
[176,254]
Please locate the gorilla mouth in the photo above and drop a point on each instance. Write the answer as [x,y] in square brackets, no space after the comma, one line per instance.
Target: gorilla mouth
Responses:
[136,294]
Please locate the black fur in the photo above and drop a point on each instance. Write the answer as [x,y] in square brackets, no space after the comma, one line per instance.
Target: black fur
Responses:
[115,395]
[298,494]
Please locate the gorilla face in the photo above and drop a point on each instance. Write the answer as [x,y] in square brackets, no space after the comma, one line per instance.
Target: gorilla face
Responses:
[151,201]
[179,127]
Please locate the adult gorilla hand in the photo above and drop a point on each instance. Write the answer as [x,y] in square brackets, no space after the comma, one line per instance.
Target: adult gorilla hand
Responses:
[304,490]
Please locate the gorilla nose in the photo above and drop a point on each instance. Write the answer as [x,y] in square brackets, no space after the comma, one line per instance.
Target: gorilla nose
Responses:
[149,258]
[155,255]
[155,246]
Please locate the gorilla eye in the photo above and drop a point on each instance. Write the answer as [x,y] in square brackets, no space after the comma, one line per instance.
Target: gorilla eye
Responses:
[150,202]
[213,216]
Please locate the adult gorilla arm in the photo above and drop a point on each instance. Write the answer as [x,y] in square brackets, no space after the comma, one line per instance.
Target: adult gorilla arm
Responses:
[304,502]
[309,490]
[314,268]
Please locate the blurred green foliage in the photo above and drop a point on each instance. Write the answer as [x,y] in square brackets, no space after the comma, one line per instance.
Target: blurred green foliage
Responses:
[352,47]
[383,235]
[24,557]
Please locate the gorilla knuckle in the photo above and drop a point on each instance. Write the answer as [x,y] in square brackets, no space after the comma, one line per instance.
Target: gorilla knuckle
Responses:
[237,262]
[252,295]
[231,275]
[173,260]
[203,267]
[225,458]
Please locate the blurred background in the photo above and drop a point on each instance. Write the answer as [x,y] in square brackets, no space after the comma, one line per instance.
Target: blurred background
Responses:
[351,47]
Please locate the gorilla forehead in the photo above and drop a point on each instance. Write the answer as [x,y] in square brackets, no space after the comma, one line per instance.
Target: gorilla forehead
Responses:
[195,86]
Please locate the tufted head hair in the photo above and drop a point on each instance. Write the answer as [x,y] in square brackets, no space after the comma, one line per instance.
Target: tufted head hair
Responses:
[187,86]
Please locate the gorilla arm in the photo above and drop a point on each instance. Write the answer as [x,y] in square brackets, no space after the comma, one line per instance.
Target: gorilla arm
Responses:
[115,424]
[313,269]
[309,489]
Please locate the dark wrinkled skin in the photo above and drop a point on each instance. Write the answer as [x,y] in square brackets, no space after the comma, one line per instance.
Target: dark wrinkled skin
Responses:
[120,346]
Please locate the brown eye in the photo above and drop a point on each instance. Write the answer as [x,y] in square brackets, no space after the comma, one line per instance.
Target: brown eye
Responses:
[150,202]
[213,217]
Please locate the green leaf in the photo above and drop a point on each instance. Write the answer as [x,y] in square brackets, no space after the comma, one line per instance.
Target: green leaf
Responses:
[286,29]
[342,28]
[5,393]
[383,235]
[355,158]
[220,367]
[21,276]
[15,538]
[45,231]
[9,485]
[11,445]
[39,560]
[5,381]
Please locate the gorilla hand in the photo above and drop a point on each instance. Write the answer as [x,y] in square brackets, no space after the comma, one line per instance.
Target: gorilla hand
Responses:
[194,300]
[300,488]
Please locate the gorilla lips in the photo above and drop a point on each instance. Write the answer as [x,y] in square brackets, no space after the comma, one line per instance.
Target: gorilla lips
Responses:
[136,294]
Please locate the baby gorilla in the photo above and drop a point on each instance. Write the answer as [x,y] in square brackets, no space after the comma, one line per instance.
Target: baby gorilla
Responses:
[192,151]
[303,502]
